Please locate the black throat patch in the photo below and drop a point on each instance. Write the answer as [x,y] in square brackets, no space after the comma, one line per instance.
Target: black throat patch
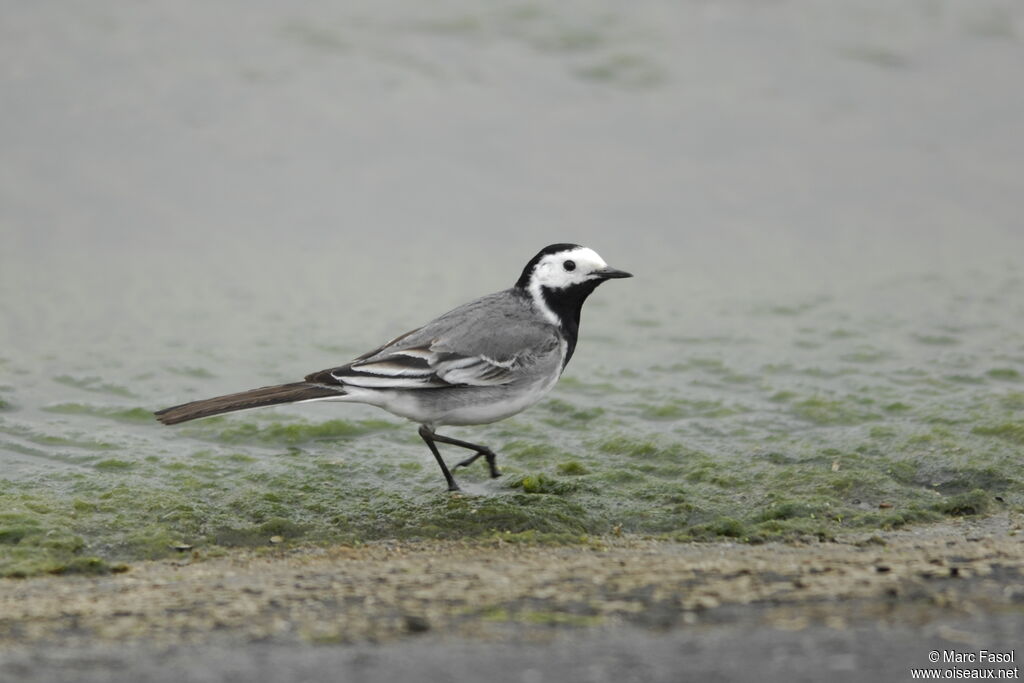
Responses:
[567,304]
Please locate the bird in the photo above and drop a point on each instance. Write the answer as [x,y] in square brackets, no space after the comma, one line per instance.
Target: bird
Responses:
[481,362]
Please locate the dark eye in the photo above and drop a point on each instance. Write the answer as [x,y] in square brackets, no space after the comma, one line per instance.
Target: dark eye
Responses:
[569,265]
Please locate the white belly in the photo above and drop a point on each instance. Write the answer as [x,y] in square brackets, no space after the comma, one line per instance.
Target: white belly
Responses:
[451,406]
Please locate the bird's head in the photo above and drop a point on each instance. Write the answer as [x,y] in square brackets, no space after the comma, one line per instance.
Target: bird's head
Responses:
[560,267]
[560,278]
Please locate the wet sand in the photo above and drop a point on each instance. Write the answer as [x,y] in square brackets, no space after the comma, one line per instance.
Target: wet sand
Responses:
[622,608]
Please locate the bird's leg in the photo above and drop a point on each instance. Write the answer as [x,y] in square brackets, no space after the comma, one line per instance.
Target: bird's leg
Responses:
[428,435]
[484,451]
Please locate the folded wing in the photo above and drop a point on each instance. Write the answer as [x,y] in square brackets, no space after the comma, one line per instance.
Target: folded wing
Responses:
[447,353]
[421,368]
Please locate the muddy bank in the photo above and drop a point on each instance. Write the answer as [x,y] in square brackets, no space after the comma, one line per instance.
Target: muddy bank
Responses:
[623,609]
[491,591]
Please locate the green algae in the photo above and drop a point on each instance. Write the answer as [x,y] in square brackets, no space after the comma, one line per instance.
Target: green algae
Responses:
[575,385]
[1012,402]
[138,520]
[625,70]
[1004,374]
[193,372]
[94,384]
[824,411]
[678,409]
[1010,431]
[46,439]
[227,431]
[572,468]
[805,486]
[976,502]
[34,536]
[936,339]
[712,368]
[530,454]
[543,483]
[648,448]
[845,439]
[113,465]
[139,415]
[865,354]
[565,415]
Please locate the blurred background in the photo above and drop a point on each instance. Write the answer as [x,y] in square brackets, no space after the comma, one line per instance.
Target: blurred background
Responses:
[736,143]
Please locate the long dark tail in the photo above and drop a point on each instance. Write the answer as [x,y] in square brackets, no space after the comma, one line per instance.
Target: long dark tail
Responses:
[255,398]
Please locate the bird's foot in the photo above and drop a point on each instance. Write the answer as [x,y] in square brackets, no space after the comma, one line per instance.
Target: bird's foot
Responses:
[488,455]
[467,462]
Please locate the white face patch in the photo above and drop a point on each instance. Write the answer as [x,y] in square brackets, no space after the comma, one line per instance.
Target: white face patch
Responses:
[552,271]
[562,270]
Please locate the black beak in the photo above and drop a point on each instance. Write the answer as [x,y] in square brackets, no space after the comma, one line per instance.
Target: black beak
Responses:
[609,273]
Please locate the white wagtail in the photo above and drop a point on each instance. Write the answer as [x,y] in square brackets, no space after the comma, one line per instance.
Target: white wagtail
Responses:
[482,362]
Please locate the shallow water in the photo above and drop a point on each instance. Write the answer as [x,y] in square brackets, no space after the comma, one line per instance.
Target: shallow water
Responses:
[820,204]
